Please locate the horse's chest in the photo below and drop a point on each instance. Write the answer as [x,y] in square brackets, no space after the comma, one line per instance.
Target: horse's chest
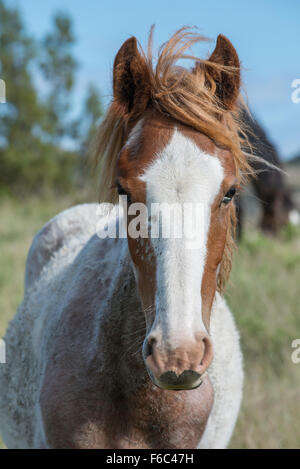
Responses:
[168,419]
[148,418]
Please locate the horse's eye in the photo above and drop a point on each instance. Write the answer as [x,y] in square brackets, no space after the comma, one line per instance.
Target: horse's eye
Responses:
[229,196]
[121,191]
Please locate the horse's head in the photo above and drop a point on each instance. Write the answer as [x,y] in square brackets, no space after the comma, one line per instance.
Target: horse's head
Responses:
[180,151]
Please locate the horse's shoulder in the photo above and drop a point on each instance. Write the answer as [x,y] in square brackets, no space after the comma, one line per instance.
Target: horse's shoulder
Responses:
[60,231]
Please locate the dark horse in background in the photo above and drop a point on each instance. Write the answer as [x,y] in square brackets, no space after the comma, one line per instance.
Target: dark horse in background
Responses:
[272,191]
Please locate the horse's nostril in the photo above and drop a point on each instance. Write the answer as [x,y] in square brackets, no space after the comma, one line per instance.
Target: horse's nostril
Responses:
[207,354]
[149,347]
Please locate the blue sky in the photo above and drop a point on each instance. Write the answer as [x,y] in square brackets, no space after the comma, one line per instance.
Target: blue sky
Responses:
[266,34]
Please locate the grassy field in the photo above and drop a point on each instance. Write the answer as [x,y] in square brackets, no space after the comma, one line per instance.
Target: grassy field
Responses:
[264,295]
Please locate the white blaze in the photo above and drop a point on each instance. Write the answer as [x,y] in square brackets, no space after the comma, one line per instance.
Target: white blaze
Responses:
[181,174]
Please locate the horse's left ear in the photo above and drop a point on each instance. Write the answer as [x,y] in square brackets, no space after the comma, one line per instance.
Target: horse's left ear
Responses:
[131,81]
[227,83]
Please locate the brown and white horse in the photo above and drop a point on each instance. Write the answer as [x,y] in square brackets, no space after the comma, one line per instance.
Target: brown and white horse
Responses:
[110,329]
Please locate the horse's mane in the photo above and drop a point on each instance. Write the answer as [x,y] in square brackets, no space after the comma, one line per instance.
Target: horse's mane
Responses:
[189,96]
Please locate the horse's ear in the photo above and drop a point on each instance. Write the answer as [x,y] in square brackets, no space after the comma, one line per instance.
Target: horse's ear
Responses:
[227,82]
[131,81]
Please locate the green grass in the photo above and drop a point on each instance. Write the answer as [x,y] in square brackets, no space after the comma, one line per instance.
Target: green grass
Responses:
[264,296]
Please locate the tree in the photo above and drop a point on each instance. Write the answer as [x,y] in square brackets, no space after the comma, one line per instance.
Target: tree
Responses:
[30,158]
[34,126]
[58,67]
[19,117]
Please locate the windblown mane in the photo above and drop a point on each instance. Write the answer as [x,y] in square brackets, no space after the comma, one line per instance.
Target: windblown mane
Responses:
[190,97]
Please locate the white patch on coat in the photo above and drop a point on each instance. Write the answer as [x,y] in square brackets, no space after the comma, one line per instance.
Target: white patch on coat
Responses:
[181,173]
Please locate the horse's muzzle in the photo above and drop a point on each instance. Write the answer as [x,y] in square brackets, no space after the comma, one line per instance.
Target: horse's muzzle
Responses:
[179,368]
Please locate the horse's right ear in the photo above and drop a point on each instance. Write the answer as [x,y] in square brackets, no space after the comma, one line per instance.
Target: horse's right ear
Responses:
[131,80]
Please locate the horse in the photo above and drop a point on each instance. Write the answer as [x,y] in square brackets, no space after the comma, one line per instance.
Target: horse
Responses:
[277,204]
[127,341]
